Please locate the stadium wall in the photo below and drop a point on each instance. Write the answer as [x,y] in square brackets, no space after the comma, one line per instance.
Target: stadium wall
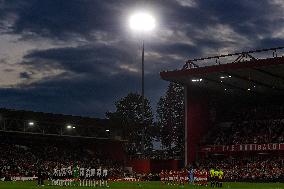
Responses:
[153,166]
[197,121]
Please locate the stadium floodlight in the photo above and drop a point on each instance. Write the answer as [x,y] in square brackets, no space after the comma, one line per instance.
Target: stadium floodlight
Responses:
[249,89]
[69,127]
[31,123]
[107,130]
[225,77]
[142,21]
[197,80]
[74,127]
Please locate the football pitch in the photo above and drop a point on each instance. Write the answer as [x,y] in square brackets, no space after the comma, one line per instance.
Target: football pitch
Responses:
[140,185]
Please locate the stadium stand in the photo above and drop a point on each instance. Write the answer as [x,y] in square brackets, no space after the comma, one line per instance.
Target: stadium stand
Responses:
[247,125]
[234,113]
[23,156]
[255,125]
[33,140]
[254,168]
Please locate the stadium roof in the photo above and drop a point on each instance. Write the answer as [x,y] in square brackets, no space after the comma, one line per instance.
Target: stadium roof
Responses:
[18,121]
[241,74]
[52,118]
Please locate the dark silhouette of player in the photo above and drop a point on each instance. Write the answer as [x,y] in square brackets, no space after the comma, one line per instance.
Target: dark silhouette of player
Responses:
[40,176]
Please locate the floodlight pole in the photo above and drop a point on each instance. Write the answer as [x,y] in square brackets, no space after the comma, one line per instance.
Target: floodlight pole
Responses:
[143,102]
[142,22]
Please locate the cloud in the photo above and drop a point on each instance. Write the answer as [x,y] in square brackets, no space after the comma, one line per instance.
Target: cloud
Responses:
[82,59]
[90,95]
[187,3]
[78,56]
[25,75]
[91,75]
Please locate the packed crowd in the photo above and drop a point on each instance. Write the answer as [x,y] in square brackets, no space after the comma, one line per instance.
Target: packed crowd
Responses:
[254,168]
[248,132]
[254,125]
[18,159]
[251,111]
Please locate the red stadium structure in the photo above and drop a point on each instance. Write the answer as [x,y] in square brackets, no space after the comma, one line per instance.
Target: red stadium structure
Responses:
[216,85]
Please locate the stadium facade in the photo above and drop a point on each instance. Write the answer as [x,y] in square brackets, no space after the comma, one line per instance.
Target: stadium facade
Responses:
[215,89]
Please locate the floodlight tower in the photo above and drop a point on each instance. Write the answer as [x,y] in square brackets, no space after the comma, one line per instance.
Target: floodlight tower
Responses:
[142,22]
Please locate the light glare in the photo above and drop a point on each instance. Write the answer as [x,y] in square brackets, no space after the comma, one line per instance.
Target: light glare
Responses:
[196,80]
[225,77]
[142,22]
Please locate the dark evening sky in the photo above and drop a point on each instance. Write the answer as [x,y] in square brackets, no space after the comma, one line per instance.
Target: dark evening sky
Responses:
[79,56]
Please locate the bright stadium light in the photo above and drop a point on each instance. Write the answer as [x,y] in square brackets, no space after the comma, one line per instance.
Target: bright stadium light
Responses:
[107,130]
[74,127]
[225,77]
[196,80]
[31,123]
[69,127]
[142,21]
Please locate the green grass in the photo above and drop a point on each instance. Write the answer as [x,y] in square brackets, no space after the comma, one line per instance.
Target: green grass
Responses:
[146,185]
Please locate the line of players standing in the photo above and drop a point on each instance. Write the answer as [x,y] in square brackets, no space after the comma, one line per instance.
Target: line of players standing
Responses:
[216,178]
[193,176]
[174,177]
[82,174]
